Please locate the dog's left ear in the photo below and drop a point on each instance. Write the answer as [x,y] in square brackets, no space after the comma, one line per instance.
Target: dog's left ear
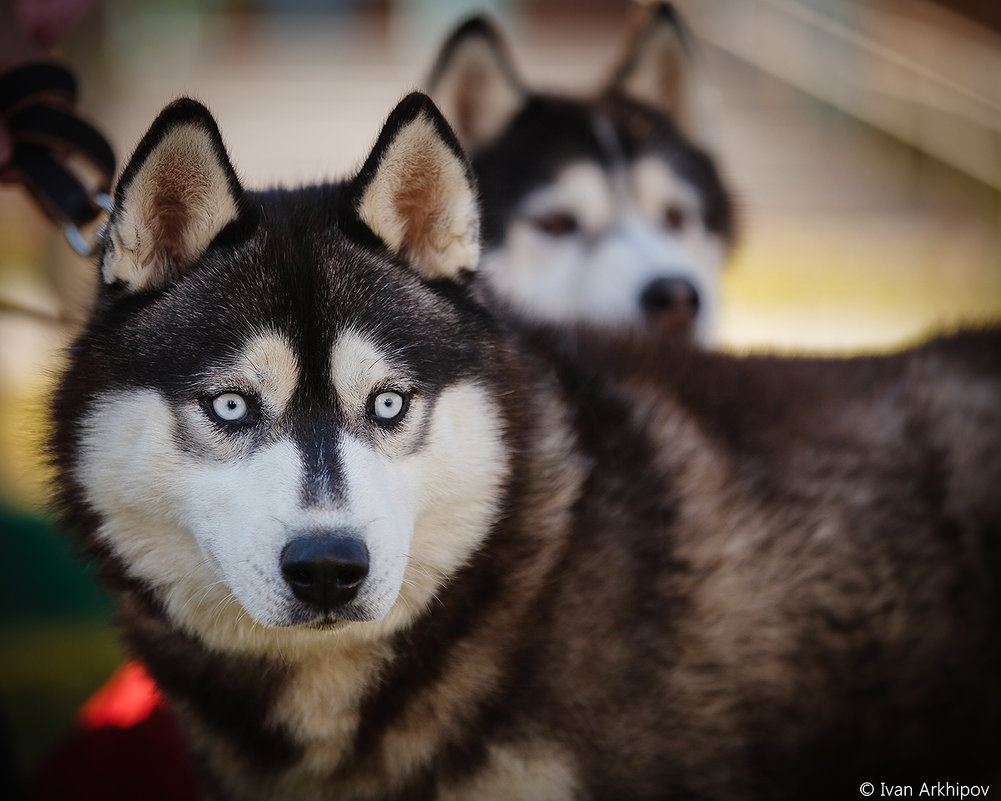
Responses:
[176,194]
[475,84]
[655,67]
[416,192]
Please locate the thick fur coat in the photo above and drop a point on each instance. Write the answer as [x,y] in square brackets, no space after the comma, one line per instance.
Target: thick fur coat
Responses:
[525,565]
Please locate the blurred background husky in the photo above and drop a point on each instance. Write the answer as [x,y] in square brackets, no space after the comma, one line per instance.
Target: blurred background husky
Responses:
[596,209]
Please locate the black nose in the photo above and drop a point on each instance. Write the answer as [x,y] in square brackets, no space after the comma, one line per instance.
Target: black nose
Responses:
[325,570]
[670,297]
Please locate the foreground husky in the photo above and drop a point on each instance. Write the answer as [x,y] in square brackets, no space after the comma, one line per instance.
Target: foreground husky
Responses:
[376,546]
[596,210]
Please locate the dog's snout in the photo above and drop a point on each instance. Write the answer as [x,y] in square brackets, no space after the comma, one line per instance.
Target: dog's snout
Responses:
[325,570]
[672,297]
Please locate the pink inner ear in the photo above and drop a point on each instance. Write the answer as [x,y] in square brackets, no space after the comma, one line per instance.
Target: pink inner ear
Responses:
[669,83]
[168,221]
[180,190]
[468,101]
[419,202]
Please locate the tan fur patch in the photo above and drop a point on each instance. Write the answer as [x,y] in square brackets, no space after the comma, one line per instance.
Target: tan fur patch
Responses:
[422,205]
[269,363]
[357,366]
[471,675]
[176,204]
[319,704]
[267,368]
[539,770]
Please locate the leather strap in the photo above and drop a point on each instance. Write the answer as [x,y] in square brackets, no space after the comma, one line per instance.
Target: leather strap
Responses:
[36,80]
[37,109]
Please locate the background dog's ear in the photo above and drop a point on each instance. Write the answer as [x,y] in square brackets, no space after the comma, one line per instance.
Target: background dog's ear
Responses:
[177,193]
[474,83]
[655,67]
[416,192]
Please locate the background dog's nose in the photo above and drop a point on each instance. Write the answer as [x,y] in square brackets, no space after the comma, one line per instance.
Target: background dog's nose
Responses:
[325,570]
[673,296]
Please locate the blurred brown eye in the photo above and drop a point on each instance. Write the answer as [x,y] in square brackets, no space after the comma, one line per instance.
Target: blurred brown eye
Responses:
[557,224]
[675,218]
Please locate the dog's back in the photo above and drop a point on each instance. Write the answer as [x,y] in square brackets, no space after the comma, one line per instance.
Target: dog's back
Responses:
[814,548]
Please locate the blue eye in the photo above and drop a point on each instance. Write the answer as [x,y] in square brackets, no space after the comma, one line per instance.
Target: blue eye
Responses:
[388,405]
[230,407]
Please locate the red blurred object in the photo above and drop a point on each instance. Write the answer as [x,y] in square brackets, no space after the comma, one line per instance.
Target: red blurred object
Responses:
[126,747]
[129,698]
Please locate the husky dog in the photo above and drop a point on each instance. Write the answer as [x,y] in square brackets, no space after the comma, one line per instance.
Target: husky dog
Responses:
[374,544]
[598,210]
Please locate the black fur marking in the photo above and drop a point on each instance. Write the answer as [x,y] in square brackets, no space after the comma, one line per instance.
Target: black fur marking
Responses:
[323,474]
[423,649]
[230,693]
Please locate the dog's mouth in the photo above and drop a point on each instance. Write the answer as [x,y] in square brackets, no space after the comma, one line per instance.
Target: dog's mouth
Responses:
[301,618]
[328,620]
[681,327]
[326,623]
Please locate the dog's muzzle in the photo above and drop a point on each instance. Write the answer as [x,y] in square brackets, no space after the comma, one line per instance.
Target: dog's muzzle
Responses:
[325,570]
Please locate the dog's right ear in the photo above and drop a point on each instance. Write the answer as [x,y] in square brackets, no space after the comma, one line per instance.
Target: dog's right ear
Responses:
[475,84]
[175,195]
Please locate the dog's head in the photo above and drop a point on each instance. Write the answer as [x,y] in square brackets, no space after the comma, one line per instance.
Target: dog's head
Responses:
[281,413]
[597,210]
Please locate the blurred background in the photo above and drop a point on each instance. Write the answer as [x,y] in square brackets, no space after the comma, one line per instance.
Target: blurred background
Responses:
[861,137]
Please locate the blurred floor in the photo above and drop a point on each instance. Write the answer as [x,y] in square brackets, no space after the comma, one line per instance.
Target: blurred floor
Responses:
[849,239]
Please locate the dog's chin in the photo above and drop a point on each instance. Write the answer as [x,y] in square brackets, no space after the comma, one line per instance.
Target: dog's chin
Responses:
[681,329]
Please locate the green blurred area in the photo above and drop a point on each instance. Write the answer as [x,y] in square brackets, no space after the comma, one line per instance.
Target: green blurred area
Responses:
[58,644]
